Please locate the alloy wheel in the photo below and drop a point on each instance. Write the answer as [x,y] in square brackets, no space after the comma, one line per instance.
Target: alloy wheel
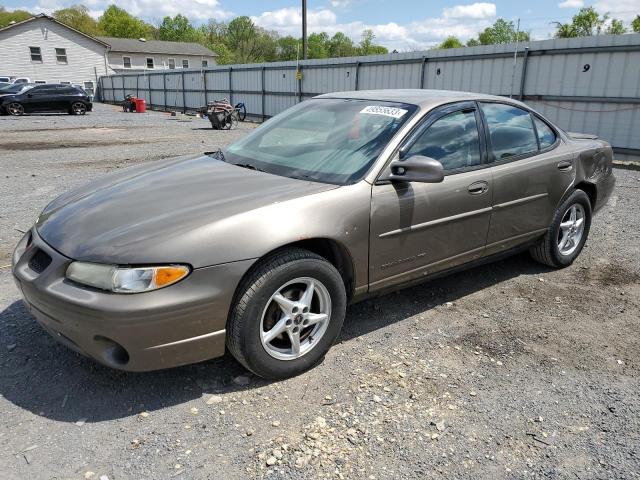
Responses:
[79,108]
[295,318]
[15,109]
[571,229]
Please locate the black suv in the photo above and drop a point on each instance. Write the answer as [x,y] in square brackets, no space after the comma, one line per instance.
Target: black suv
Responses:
[46,98]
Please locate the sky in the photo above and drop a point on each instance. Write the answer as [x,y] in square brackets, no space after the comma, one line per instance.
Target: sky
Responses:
[397,24]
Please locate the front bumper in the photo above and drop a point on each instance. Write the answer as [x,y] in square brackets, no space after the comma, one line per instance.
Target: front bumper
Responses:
[177,325]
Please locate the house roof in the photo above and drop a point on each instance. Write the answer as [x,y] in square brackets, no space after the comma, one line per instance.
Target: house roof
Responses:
[156,46]
[42,15]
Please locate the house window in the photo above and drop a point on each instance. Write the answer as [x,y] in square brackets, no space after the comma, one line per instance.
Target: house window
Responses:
[126,62]
[88,87]
[185,63]
[36,54]
[149,62]
[205,63]
[40,82]
[65,83]
[61,55]
[172,63]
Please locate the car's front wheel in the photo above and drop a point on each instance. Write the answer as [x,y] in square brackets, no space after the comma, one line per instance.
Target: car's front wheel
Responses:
[16,109]
[78,108]
[287,314]
[567,234]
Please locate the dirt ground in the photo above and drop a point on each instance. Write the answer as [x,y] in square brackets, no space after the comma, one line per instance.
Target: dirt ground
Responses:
[509,370]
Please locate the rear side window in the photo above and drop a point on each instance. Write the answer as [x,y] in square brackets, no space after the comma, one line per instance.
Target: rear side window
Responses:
[510,130]
[452,140]
[546,136]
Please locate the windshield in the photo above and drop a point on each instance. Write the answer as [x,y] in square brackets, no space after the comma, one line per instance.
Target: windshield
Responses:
[15,88]
[327,140]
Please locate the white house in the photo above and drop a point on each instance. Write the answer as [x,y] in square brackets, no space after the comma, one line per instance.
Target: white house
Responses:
[48,51]
[139,54]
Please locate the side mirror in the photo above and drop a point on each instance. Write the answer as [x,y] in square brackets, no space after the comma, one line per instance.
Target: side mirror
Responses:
[416,168]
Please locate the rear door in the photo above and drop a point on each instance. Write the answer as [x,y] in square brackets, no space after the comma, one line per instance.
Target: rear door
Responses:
[531,171]
[421,228]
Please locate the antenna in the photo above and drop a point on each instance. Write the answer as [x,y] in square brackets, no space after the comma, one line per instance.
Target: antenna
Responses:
[515,59]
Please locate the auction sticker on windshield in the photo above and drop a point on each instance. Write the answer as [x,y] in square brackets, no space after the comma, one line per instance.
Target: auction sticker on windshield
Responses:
[382,110]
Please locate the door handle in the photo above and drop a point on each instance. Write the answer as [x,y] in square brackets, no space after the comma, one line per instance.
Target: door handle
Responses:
[565,166]
[478,188]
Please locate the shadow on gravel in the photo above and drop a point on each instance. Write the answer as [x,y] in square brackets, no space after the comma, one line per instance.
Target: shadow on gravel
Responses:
[39,375]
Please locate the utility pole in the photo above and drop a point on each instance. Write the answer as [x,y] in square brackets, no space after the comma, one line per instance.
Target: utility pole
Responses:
[304,29]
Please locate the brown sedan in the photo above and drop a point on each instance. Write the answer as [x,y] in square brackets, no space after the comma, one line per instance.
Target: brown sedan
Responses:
[259,248]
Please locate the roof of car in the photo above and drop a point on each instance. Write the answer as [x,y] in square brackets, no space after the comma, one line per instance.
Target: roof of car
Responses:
[415,96]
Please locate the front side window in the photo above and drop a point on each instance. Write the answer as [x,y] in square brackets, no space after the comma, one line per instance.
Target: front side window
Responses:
[452,140]
[36,54]
[330,140]
[205,63]
[61,55]
[510,130]
[149,62]
[126,62]
[172,63]
[546,136]
[185,63]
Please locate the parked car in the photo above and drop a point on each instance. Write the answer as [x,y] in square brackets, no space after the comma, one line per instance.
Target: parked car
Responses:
[5,79]
[22,80]
[46,98]
[259,248]
[4,84]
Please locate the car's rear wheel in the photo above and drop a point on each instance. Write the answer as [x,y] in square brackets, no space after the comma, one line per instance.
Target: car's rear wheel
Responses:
[567,234]
[16,109]
[287,314]
[78,108]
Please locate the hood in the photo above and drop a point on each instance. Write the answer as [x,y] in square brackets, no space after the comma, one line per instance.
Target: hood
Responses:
[162,213]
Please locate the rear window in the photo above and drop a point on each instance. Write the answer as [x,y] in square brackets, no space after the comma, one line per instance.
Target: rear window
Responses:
[510,130]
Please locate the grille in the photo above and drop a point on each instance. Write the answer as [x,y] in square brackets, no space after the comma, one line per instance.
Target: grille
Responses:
[39,261]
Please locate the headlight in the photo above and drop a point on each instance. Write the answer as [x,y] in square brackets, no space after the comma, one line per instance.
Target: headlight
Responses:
[124,279]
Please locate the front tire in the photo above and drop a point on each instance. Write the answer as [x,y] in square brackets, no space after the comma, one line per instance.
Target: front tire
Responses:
[567,234]
[287,314]
[16,109]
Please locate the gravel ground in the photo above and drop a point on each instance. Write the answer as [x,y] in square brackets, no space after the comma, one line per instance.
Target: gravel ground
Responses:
[510,370]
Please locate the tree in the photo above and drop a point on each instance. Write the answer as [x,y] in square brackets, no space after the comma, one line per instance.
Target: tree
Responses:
[635,25]
[450,42]
[116,22]
[367,47]
[472,42]
[616,27]
[7,17]
[341,46]
[502,31]
[178,29]
[250,43]
[585,23]
[77,16]
[288,48]
[318,45]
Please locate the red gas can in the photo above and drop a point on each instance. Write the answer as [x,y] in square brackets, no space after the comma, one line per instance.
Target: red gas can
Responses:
[141,105]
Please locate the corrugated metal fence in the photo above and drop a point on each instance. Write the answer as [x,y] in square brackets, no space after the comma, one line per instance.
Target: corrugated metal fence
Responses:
[589,84]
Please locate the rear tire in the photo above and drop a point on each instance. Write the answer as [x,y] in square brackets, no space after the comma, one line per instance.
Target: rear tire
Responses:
[272,299]
[566,235]
[78,108]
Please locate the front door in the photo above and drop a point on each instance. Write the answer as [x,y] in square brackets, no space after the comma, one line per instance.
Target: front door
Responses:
[531,171]
[421,228]
[40,99]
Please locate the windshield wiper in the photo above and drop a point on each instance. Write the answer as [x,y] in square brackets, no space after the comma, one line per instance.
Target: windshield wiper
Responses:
[249,166]
[217,154]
